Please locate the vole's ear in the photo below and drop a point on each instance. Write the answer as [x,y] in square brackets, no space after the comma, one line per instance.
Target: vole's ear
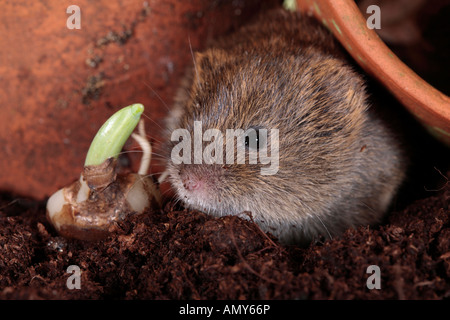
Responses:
[206,63]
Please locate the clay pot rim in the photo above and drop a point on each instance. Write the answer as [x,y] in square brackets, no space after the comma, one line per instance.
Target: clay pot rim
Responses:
[344,19]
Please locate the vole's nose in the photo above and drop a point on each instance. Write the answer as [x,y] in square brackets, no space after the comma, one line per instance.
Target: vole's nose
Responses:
[200,177]
[190,180]
[191,184]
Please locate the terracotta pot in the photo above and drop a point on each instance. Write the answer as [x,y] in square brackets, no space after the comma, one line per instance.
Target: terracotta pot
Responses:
[344,19]
[58,85]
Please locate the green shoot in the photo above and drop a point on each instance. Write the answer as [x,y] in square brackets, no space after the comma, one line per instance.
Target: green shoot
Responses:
[110,139]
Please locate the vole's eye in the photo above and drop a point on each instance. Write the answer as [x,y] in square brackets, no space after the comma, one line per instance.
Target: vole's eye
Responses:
[251,143]
[253,139]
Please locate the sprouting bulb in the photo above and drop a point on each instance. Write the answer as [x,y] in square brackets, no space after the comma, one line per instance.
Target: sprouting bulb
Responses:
[88,208]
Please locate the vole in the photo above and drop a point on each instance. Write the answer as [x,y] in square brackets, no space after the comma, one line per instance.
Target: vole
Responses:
[340,164]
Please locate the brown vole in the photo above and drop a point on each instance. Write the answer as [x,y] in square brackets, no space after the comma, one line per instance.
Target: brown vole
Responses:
[339,163]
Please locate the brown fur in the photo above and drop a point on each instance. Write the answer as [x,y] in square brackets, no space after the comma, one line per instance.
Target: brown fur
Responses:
[339,163]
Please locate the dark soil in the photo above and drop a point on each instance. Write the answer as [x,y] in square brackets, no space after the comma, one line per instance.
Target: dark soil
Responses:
[181,254]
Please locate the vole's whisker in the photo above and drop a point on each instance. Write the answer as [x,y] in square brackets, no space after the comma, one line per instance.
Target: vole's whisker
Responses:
[195,64]
[368,207]
[163,176]
[172,198]
[156,123]
[157,95]
[9,204]
[325,227]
